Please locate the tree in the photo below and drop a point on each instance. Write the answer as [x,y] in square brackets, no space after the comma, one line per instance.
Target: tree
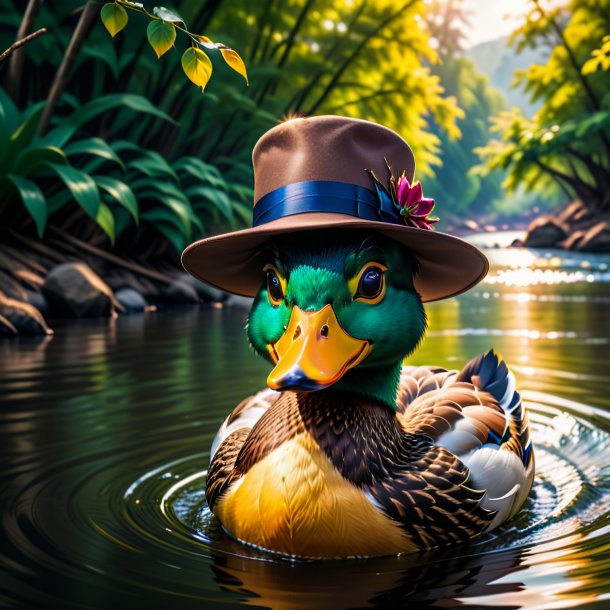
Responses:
[566,146]
[458,186]
[364,58]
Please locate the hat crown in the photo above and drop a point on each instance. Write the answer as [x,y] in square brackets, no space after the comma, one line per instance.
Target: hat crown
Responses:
[328,148]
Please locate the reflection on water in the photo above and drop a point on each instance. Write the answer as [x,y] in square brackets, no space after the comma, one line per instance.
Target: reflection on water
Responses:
[106,429]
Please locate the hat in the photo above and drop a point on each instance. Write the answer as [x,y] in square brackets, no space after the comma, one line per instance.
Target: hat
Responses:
[344,174]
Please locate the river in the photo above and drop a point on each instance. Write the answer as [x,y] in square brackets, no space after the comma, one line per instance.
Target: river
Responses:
[105,432]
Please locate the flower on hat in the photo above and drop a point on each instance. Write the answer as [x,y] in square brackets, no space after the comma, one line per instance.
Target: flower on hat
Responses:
[407,199]
[414,207]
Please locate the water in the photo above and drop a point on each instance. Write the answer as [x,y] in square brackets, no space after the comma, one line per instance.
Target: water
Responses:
[106,429]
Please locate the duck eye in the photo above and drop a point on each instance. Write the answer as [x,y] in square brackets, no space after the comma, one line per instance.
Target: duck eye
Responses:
[370,286]
[274,286]
[370,283]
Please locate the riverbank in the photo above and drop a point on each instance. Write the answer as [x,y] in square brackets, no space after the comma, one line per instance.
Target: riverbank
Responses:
[64,277]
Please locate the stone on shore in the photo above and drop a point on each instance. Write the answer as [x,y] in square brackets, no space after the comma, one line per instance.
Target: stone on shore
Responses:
[19,318]
[131,300]
[237,301]
[596,239]
[75,290]
[206,293]
[545,232]
[180,293]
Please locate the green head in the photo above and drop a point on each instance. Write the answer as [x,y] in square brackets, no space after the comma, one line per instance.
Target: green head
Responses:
[337,311]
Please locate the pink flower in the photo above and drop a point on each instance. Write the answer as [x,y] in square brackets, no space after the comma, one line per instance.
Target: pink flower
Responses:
[413,206]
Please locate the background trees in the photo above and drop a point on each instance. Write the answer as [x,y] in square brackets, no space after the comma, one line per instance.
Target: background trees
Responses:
[564,150]
[175,164]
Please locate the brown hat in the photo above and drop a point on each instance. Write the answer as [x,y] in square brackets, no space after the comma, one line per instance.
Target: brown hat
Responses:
[331,172]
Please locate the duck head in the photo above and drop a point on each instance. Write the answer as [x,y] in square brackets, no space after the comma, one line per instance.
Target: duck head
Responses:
[337,311]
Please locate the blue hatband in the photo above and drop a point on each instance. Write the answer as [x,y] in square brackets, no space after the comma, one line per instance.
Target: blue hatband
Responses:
[325,196]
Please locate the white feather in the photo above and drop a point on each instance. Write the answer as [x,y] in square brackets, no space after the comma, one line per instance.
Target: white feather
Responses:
[501,474]
[259,403]
[508,395]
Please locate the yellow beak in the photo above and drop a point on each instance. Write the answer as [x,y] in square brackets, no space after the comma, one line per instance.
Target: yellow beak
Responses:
[314,352]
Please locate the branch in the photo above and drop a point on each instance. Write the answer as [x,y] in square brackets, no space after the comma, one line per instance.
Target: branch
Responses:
[19,43]
[62,76]
[15,68]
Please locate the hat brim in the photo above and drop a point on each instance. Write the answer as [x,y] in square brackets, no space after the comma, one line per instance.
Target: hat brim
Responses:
[233,262]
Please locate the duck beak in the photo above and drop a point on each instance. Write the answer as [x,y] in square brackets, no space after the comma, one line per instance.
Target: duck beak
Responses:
[314,352]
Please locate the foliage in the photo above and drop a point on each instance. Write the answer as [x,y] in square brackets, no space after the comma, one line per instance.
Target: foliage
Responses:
[369,59]
[458,186]
[566,145]
[161,34]
[115,185]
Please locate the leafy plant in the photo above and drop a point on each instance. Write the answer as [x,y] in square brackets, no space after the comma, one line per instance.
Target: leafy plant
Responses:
[117,186]
[566,145]
[161,34]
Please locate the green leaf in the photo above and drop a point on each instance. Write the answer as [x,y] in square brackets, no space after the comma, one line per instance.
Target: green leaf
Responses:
[173,237]
[234,61]
[8,109]
[203,172]
[152,164]
[218,199]
[114,18]
[104,53]
[60,135]
[105,220]
[245,213]
[81,185]
[25,133]
[120,192]
[183,211]
[161,36]
[96,147]
[31,159]
[168,225]
[197,66]
[33,200]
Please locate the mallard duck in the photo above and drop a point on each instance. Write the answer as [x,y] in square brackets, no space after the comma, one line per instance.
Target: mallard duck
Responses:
[349,452]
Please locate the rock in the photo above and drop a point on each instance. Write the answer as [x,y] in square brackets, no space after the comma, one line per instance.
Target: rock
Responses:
[37,299]
[74,289]
[180,293]
[573,240]
[207,293]
[235,300]
[471,224]
[545,232]
[516,243]
[19,318]
[11,288]
[131,300]
[596,239]
[575,213]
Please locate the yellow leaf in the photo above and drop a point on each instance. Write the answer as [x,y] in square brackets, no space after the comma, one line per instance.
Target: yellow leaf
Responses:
[591,65]
[197,66]
[114,18]
[235,61]
[161,36]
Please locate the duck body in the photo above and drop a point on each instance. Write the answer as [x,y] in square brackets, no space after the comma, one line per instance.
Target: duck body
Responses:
[330,474]
[350,453]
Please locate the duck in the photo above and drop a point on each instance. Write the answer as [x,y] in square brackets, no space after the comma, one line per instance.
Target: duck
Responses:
[349,451]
